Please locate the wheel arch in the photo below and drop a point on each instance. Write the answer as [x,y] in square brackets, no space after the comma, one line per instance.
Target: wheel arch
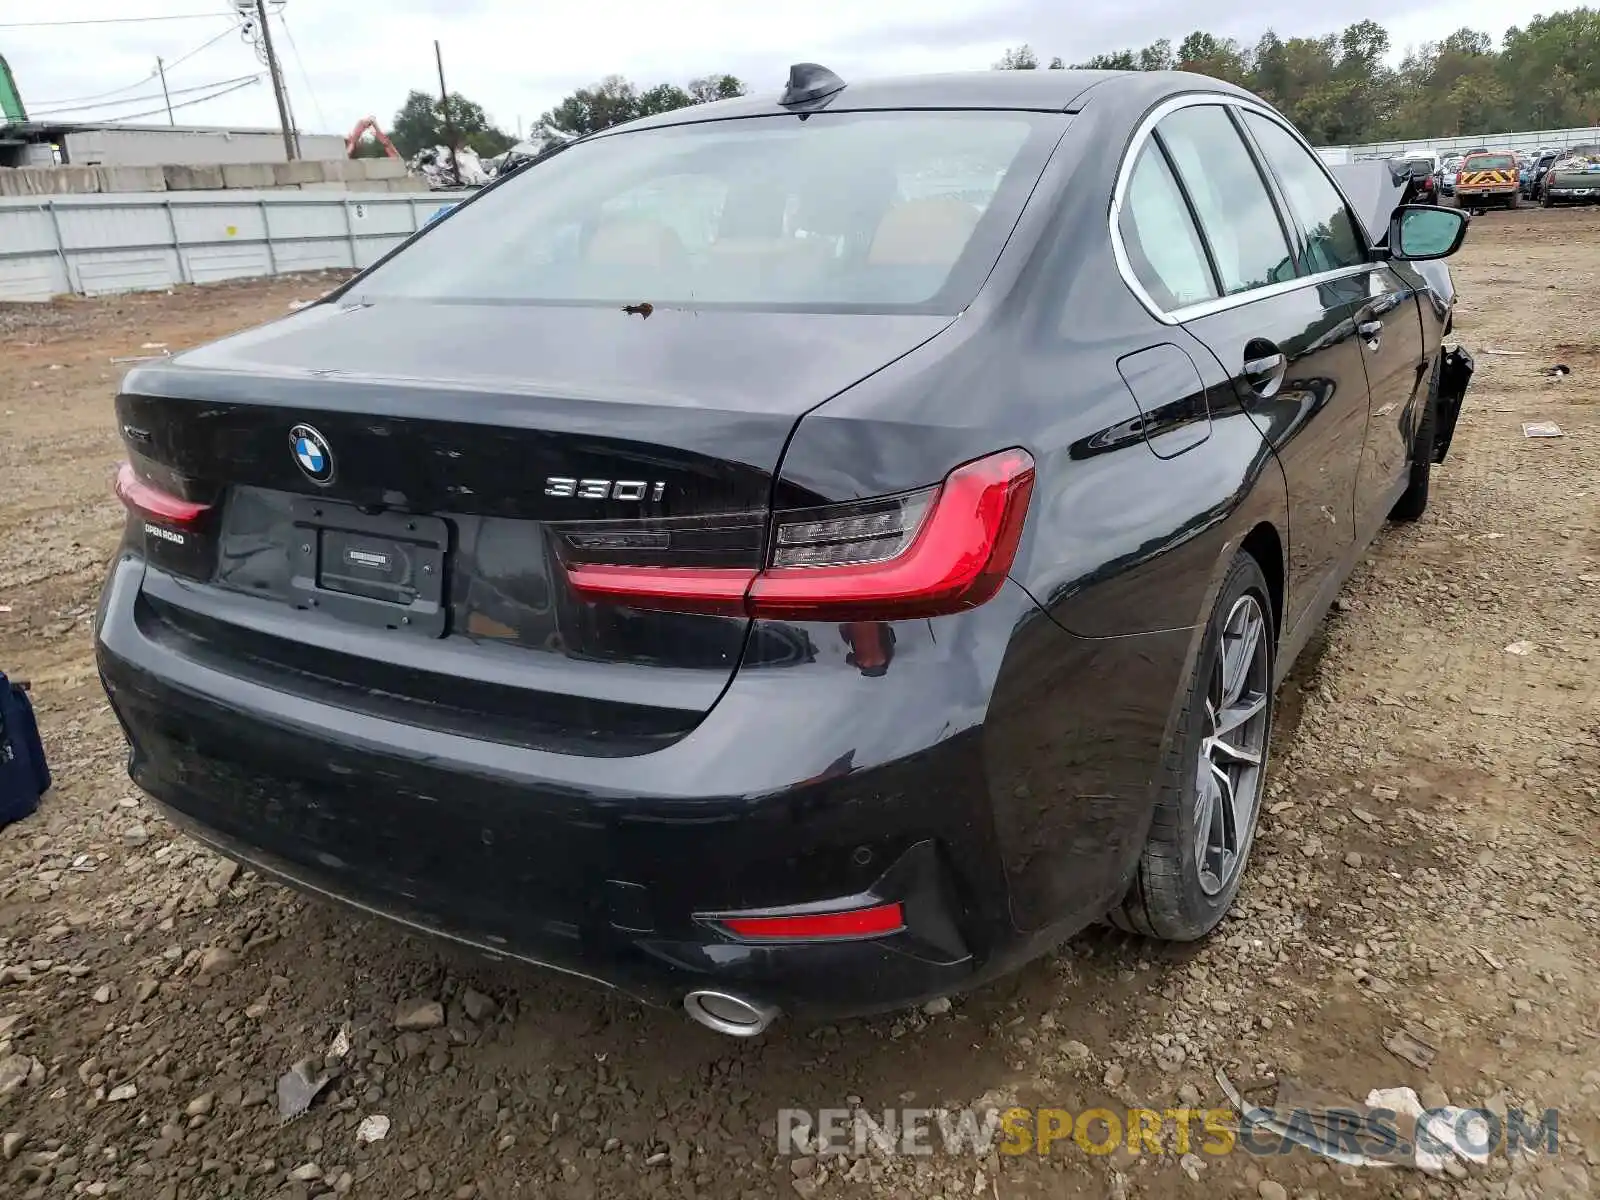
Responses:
[1266,546]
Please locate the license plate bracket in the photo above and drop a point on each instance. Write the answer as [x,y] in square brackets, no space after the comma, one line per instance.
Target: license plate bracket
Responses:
[379,570]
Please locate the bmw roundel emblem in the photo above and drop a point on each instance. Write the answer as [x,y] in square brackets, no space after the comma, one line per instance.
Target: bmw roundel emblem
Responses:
[311,453]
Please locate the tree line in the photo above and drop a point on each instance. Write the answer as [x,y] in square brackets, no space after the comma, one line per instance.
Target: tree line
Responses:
[1340,89]
[421,120]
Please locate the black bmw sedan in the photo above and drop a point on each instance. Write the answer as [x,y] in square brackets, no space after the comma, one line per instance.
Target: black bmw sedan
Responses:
[804,554]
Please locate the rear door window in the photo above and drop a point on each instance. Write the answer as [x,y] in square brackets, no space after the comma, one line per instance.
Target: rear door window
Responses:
[1236,212]
[1163,245]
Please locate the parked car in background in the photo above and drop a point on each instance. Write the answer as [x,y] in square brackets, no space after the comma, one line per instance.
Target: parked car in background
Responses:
[1541,165]
[1447,175]
[806,553]
[1573,178]
[1487,179]
[1425,185]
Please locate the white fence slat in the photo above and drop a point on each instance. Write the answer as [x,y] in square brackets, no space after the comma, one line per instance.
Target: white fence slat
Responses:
[98,244]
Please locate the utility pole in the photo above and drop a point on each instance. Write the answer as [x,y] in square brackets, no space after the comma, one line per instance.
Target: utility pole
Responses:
[161,70]
[444,105]
[291,146]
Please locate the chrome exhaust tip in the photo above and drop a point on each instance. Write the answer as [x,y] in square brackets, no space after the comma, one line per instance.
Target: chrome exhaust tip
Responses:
[726,1013]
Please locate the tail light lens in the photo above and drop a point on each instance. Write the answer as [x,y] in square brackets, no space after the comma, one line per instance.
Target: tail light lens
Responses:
[152,502]
[919,554]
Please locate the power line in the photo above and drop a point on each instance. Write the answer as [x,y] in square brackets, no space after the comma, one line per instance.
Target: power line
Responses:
[210,16]
[295,50]
[249,82]
[199,87]
[47,105]
[206,45]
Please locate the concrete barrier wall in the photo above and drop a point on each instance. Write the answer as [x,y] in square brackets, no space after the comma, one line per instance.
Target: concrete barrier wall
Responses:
[97,243]
[355,174]
[155,146]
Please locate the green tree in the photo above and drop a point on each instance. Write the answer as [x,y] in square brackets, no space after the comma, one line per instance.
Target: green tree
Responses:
[1220,58]
[1271,77]
[1157,56]
[614,100]
[420,123]
[600,106]
[664,97]
[1552,69]
[417,124]
[1018,58]
[1121,60]
[710,88]
[1340,87]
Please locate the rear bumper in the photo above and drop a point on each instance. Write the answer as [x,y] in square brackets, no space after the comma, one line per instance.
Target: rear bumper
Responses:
[603,867]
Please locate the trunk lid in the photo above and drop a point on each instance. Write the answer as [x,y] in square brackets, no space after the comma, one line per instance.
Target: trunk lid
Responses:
[420,579]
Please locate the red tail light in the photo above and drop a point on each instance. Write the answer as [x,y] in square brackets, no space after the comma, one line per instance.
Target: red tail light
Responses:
[856,923]
[920,554]
[153,502]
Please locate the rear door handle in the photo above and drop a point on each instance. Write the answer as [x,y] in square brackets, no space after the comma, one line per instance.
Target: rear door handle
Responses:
[1264,372]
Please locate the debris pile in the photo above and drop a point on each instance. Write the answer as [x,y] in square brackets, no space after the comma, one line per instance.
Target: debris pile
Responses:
[433,163]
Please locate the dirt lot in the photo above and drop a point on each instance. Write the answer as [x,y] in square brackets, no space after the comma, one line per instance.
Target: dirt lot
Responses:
[1428,861]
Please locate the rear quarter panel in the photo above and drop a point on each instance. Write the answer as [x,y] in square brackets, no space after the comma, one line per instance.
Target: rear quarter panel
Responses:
[1123,549]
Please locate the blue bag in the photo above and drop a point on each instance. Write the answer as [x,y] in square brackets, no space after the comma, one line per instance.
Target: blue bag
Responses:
[23,773]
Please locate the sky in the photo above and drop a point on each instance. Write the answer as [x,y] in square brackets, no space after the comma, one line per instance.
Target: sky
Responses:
[345,60]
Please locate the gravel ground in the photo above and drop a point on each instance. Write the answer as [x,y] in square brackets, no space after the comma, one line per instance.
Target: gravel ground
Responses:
[1427,863]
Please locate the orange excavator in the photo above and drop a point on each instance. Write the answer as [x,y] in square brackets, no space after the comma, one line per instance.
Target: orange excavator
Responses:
[363,126]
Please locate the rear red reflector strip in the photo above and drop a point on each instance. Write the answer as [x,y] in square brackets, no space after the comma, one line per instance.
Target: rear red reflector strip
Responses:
[856,923]
[958,558]
[678,589]
[153,502]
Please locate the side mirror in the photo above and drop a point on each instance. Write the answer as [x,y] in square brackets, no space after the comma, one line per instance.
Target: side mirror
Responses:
[1418,232]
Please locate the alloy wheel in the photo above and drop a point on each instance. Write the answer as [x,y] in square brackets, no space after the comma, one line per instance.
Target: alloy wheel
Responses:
[1234,746]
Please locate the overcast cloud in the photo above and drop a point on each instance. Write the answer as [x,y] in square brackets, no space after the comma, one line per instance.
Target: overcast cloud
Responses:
[518,59]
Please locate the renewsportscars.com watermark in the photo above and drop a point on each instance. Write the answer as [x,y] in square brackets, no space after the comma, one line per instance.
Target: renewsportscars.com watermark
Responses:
[1372,1132]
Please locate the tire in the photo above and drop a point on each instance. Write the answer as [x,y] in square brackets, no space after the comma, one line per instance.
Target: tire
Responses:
[1545,201]
[1176,894]
[1413,501]
[1514,202]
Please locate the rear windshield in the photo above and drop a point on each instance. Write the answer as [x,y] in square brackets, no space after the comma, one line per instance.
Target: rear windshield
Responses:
[892,211]
[1492,162]
[1419,167]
